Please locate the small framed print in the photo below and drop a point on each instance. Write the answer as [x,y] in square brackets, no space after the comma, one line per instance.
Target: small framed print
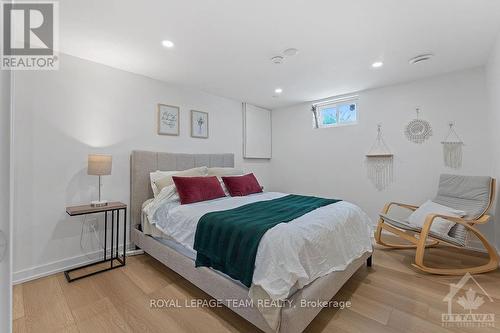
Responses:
[168,119]
[199,124]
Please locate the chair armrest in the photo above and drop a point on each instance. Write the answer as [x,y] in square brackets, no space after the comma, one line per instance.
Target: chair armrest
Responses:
[482,220]
[388,206]
[460,220]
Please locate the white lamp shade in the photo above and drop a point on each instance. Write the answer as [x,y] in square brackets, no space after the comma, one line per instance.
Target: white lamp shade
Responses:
[99,165]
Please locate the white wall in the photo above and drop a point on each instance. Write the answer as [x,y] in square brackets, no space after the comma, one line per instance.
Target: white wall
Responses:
[85,107]
[5,265]
[61,116]
[330,162]
[493,85]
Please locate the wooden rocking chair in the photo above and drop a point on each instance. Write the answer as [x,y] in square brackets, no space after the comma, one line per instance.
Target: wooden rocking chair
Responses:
[474,195]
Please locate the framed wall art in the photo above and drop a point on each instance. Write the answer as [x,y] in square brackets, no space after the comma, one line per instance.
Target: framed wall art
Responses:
[199,124]
[168,119]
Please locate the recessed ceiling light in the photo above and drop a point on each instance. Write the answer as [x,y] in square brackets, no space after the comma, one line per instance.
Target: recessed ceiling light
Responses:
[290,52]
[167,43]
[420,58]
[377,64]
[278,91]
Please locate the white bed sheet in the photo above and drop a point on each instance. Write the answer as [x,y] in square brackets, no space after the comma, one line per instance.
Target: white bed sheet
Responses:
[290,255]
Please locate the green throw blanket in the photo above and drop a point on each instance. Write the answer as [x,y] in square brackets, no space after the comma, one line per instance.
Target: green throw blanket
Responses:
[228,240]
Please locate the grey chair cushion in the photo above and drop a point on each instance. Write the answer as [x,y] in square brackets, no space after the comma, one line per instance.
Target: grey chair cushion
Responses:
[471,194]
[468,193]
[460,233]
[458,238]
[398,223]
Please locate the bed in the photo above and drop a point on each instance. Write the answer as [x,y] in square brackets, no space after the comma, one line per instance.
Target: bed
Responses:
[290,318]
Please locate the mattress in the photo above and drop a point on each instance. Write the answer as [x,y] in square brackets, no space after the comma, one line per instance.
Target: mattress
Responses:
[152,231]
[294,253]
[290,255]
[146,227]
[171,243]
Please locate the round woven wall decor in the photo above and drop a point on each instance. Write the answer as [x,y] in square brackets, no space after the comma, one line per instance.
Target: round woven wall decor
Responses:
[418,130]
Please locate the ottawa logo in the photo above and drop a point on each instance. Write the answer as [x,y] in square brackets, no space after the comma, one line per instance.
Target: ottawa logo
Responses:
[469,294]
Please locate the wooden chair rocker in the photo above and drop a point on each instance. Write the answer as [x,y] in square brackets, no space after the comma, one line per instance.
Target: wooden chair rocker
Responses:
[473,195]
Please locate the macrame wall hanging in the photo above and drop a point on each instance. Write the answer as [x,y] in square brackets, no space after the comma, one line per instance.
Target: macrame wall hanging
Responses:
[379,161]
[452,149]
[418,130]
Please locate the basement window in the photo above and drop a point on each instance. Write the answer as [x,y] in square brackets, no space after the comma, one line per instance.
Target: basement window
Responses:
[334,113]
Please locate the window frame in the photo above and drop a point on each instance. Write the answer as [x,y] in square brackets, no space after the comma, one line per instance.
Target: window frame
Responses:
[335,103]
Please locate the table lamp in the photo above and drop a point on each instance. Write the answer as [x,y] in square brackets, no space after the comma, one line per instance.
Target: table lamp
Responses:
[99,165]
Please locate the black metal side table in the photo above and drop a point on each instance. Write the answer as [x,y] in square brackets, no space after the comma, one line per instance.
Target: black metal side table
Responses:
[114,208]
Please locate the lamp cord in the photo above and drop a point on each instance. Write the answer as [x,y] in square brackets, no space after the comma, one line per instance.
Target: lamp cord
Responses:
[96,235]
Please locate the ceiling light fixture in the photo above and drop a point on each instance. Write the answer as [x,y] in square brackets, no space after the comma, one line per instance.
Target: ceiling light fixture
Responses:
[291,52]
[278,91]
[277,60]
[420,58]
[377,64]
[167,44]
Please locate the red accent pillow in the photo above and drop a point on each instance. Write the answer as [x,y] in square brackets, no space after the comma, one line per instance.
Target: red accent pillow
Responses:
[195,189]
[239,186]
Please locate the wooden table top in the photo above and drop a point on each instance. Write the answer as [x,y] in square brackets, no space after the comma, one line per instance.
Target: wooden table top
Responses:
[88,209]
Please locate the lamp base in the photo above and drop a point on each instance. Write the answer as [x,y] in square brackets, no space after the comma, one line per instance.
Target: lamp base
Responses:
[101,203]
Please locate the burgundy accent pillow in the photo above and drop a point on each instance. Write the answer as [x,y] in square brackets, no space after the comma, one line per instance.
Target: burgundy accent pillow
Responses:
[195,189]
[239,186]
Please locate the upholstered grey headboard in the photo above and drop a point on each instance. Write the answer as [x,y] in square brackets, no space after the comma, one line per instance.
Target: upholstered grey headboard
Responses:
[144,162]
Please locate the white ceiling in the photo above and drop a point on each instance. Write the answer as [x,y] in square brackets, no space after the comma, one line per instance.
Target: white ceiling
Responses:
[224,46]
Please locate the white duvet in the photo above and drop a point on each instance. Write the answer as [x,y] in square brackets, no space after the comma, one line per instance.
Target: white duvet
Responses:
[290,255]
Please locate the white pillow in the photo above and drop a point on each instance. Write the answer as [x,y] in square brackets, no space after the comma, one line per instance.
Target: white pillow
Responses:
[440,225]
[224,172]
[220,172]
[167,180]
[224,188]
[154,176]
[168,195]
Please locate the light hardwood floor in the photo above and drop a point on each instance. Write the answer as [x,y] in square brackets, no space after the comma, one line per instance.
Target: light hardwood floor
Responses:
[389,297]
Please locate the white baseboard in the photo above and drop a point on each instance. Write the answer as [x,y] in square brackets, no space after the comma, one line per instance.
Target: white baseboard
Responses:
[73,262]
[54,267]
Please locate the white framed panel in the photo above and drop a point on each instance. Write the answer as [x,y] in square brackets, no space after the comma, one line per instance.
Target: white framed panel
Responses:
[257,132]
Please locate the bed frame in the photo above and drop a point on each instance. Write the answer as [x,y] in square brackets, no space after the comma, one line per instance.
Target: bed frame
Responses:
[293,320]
